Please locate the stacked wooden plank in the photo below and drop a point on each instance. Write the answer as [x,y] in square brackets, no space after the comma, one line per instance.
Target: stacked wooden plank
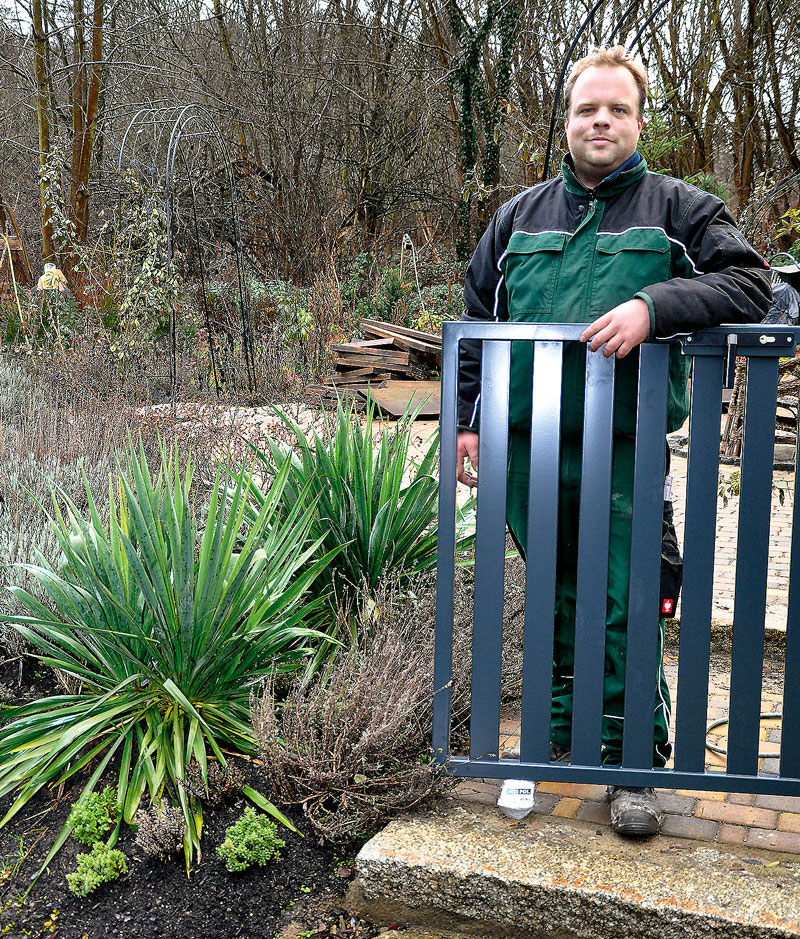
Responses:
[388,353]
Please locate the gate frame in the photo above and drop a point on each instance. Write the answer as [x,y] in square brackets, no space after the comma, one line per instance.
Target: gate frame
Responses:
[711,349]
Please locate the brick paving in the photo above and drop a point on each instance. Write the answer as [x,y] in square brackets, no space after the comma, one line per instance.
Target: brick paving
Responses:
[727,537]
[717,817]
[751,821]
[733,818]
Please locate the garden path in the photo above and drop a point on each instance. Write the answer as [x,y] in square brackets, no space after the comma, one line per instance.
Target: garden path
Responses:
[727,535]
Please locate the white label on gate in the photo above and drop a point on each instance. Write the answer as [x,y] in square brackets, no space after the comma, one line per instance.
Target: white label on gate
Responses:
[668,489]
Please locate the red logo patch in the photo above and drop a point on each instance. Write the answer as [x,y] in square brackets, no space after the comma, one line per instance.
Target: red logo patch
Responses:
[667,607]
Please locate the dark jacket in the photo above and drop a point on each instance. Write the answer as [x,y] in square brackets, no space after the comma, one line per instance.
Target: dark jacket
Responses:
[561,253]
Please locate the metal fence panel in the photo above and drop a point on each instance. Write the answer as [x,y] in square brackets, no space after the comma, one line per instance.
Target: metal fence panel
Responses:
[709,349]
[490,542]
[698,565]
[644,645]
[752,555]
[790,731]
[593,533]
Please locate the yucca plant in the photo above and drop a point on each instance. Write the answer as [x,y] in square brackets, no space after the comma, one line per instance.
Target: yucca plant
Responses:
[367,503]
[164,631]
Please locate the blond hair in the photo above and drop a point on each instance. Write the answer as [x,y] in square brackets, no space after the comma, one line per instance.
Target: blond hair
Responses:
[613,57]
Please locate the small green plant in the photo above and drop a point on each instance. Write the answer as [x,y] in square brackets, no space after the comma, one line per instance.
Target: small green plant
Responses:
[93,815]
[289,305]
[96,868]
[252,840]
[660,141]
[789,228]
[10,864]
[708,182]
[728,487]
[432,306]
[356,278]
[391,291]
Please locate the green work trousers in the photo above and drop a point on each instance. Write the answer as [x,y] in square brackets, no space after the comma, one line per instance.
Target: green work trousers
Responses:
[566,583]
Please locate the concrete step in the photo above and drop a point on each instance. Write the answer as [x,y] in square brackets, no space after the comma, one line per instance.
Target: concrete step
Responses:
[468,868]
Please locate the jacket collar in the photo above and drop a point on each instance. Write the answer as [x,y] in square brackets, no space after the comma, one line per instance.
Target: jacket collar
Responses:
[631,171]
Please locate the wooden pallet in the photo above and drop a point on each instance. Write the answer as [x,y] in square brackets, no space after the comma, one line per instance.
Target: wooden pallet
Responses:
[392,354]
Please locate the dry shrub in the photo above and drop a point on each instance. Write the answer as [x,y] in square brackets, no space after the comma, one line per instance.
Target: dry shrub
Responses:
[161,829]
[209,432]
[224,782]
[513,627]
[330,321]
[353,745]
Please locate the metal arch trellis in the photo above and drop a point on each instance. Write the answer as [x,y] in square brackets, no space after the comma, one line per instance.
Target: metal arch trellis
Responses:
[176,158]
[780,189]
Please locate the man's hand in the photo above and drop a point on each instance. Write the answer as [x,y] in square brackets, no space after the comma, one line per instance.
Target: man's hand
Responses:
[621,329]
[467,447]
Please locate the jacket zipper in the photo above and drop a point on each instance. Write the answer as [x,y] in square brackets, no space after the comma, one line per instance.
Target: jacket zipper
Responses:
[589,213]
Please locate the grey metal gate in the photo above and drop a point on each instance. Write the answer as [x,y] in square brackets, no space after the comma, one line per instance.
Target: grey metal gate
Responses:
[710,350]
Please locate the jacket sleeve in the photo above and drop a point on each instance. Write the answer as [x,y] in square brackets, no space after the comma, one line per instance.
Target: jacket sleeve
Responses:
[723,279]
[486,300]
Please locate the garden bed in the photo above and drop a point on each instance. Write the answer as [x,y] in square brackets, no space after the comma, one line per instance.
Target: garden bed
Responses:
[160,646]
[155,898]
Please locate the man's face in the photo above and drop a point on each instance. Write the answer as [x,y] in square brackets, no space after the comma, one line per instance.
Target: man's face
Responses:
[603,124]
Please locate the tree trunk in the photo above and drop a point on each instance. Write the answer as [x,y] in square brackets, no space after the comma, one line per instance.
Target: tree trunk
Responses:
[43,120]
[85,112]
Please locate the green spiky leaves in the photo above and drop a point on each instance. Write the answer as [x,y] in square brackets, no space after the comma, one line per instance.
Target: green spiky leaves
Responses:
[165,629]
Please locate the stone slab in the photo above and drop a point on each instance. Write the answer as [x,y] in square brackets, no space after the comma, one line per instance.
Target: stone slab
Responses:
[547,877]
[396,398]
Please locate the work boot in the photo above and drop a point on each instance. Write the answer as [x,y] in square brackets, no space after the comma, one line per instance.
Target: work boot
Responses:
[559,754]
[635,812]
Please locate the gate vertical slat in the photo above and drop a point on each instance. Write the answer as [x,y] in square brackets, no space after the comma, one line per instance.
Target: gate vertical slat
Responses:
[593,536]
[540,579]
[698,565]
[752,555]
[644,637]
[445,556]
[790,729]
[487,637]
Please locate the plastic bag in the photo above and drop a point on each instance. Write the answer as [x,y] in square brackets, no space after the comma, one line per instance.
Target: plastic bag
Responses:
[785,307]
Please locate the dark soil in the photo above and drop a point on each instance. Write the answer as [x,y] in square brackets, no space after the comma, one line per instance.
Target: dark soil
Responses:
[155,898]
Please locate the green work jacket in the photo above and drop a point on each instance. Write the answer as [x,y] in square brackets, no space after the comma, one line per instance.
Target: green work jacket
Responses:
[562,253]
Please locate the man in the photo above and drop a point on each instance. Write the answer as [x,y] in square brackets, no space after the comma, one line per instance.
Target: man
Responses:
[638,255]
